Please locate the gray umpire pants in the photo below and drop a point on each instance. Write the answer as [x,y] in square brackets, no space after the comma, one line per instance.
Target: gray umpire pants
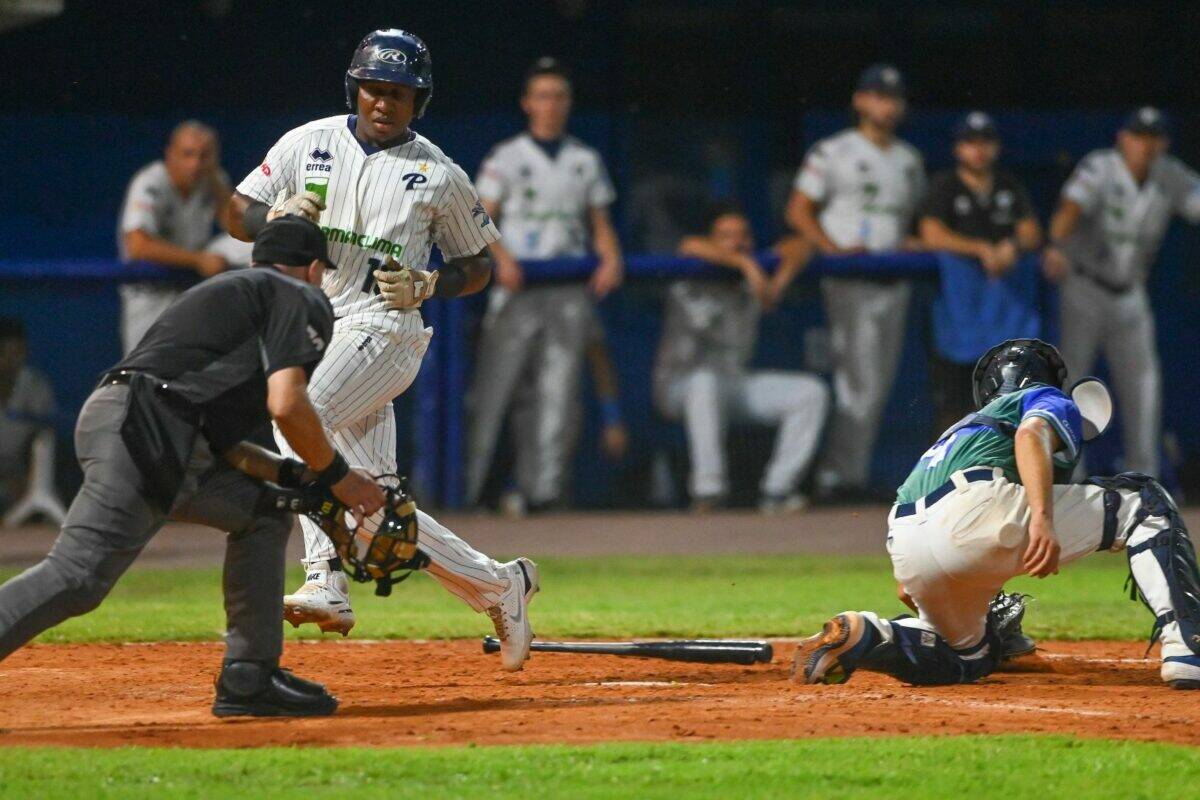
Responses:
[110,522]
[708,400]
[1121,327]
[866,330]
[531,352]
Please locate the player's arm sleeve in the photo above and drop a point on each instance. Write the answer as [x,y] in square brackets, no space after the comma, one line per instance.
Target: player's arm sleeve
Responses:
[814,177]
[277,171]
[1187,194]
[600,192]
[1085,184]
[493,181]
[463,227]
[143,206]
[1061,412]
[290,334]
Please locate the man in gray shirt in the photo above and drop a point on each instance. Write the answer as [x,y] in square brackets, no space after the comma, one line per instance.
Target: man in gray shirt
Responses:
[167,218]
[1105,235]
[26,410]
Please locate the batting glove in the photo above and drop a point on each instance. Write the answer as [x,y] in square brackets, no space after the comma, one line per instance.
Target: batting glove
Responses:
[306,204]
[405,287]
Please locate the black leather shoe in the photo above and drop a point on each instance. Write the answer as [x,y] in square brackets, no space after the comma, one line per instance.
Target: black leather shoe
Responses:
[253,689]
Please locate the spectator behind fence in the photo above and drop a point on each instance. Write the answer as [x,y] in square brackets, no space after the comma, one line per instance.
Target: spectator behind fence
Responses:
[1105,235]
[983,213]
[856,192]
[700,373]
[26,432]
[549,193]
[167,219]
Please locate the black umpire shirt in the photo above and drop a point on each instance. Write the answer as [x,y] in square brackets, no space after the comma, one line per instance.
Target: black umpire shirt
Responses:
[216,345]
[992,217]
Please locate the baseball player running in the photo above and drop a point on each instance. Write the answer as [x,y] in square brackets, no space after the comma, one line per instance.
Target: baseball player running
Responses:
[857,192]
[383,194]
[981,506]
[1105,235]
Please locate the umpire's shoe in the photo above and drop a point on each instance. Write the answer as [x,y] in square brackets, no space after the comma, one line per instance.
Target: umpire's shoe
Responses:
[254,689]
[833,654]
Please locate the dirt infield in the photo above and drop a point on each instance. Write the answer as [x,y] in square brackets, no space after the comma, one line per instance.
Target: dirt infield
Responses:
[434,693]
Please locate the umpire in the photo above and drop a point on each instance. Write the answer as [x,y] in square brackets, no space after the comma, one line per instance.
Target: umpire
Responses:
[161,438]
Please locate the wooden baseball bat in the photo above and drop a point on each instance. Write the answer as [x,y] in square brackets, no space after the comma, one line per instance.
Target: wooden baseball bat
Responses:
[701,651]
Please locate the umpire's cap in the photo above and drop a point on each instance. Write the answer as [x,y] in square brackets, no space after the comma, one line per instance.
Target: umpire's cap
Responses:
[976,125]
[882,78]
[392,56]
[291,241]
[1148,120]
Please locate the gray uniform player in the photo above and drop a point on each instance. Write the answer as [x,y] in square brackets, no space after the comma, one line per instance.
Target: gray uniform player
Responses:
[551,193]
[858,191]
[26,413]
[1114,212]
[167,218]
[700,375]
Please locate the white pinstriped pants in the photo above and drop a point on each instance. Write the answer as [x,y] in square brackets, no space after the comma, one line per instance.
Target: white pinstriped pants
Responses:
[370,361]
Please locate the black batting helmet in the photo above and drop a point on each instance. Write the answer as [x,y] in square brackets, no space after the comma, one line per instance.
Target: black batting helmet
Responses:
[392,56]
[1016,364]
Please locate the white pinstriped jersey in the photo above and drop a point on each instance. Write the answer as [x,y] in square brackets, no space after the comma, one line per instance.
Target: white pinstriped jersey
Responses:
[396,202]
[544,201]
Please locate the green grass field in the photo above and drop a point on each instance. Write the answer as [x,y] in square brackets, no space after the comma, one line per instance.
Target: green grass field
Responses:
[622,597]
[644,596]
[927,767]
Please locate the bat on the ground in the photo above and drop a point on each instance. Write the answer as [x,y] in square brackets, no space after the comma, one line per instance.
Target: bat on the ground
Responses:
[702,651]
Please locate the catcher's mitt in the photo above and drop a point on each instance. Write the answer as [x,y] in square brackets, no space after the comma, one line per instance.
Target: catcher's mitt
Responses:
[390,549]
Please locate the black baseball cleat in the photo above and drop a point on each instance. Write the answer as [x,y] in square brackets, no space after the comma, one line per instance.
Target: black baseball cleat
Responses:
[253,689]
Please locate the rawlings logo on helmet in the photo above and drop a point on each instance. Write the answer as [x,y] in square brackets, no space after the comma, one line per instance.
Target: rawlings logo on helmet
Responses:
[391,55]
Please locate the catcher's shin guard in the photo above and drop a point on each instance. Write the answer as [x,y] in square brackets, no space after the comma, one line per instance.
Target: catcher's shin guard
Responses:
[1162,560]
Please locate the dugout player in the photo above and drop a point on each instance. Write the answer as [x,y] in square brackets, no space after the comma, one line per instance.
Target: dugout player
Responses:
[1104,237]
[982,212]
[552,193]
[384,195]
[856,192]
[160,438]
[987,502]
[167,218]
[710,327]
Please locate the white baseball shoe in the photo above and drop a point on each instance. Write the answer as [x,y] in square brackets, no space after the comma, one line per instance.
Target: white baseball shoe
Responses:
[324,599]
[511,614]
[1181,672]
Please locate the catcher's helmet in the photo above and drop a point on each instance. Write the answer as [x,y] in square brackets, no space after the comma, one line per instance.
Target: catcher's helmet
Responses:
[392,56]
[1016,364]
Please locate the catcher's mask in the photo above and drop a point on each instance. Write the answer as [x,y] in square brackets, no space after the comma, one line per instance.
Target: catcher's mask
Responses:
[1016,364]
[392,548]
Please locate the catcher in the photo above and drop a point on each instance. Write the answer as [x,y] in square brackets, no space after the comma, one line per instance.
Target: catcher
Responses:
[983,505]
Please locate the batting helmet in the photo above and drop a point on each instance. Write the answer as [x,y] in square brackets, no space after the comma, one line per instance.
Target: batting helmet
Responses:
[392,56]
[1016,364]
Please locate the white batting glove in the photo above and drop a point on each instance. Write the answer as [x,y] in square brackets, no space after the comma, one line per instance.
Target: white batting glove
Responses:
[405,287]
[306,204]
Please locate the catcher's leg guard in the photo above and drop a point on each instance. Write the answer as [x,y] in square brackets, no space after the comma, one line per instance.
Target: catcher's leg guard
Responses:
[914,652]
[1163,570]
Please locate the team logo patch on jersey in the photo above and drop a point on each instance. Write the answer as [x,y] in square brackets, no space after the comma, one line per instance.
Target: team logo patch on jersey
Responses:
[413,179]
[320,155]
[390,55]
[479,211]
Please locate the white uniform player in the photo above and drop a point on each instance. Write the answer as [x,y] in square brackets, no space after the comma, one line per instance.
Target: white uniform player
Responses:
[379,203]
[551,192]
[1115,210]
[858,191]
[168,218]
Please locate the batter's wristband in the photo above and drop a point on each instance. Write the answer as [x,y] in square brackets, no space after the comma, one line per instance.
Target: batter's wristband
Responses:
[610,412]
[254,219]
[337,469]
[290,473]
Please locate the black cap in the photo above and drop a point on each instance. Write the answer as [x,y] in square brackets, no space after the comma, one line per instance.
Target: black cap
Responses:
[882,78]
[975,125]
[291,241]
[1146,119]
[548,65]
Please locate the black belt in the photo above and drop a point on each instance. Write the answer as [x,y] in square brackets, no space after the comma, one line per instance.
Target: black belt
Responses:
[181,405]
[119,377]
[971,476]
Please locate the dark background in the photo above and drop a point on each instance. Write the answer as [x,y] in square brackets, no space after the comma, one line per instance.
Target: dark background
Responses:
[726,95]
